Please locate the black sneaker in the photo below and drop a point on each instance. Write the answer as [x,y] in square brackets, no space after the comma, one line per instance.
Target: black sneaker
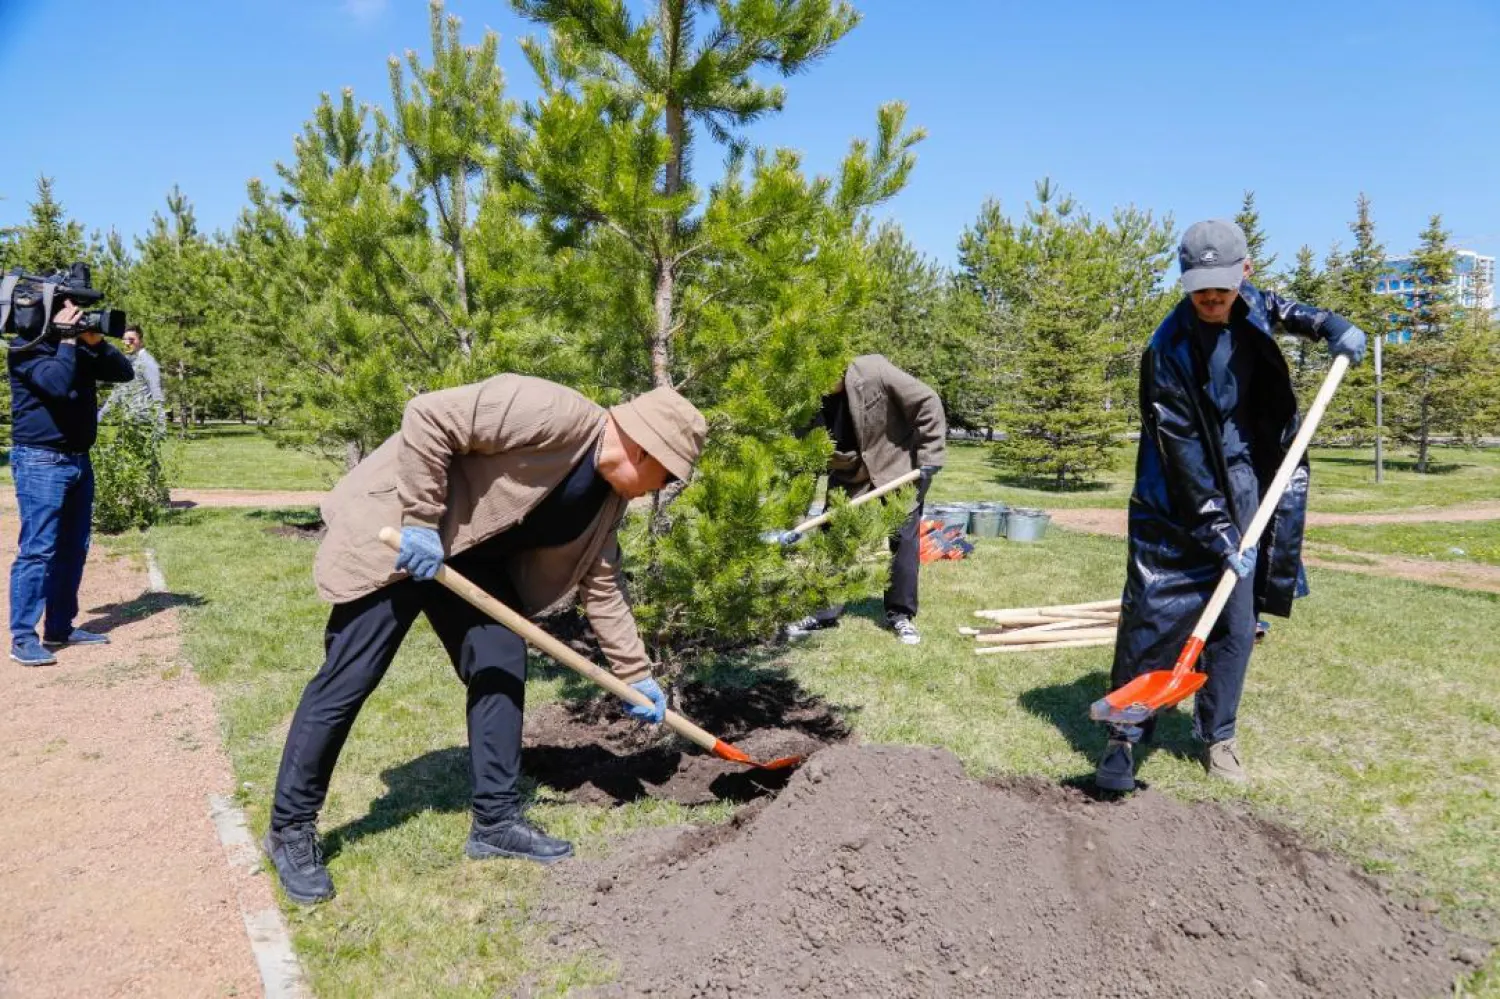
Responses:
[1116,768]
[803,627]
[76,637]
[29,652]
[298,859]
[516,839]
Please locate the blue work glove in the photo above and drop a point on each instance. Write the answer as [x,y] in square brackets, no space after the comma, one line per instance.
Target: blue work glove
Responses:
[658,709]
[1350,343]
[1243,563]
[421,552]
[928,471]
[783,538]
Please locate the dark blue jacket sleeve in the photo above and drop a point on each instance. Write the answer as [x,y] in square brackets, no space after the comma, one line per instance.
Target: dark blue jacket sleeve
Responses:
[1170,417]
[107,364]
[50,375]
[1305,321]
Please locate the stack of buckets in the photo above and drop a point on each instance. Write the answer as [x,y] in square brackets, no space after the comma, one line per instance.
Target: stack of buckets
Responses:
[993,520]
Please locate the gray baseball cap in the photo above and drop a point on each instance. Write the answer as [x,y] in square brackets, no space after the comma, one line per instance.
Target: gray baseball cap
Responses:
[1212,255]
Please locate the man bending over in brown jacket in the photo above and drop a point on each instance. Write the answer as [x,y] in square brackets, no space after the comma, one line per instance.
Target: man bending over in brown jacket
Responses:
[521,485]
[883,423]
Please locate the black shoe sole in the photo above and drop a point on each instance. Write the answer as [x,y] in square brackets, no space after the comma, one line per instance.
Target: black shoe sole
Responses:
[483,851]
[49,644]
[1118,787]
[299,898]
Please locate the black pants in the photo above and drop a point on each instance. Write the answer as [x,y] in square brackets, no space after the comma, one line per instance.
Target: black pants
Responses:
[1226,654]
[906,551]
[361,640]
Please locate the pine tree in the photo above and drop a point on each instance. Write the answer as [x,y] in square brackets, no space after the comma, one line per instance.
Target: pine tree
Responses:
[1104,281]
[392,261]
[1305,283]
[1057,428]
[50,241]
[1248,218]
[744,292]
[1431,390]
[172,295]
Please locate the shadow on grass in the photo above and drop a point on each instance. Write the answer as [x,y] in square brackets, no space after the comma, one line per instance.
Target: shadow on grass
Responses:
[291,516]
[1066,705]
[433,782]
[1050,485]
[112,616]
[1396,465]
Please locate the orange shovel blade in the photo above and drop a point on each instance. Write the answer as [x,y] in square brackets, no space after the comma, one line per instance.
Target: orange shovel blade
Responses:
[1145,695]
[725,751]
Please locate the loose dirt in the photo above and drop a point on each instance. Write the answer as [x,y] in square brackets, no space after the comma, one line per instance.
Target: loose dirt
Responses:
[112,877]
[593,753]
[885,872]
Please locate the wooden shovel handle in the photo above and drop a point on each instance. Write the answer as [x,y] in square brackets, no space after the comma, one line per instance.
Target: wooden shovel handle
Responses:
[538,638]
[1190,652]
[873,494]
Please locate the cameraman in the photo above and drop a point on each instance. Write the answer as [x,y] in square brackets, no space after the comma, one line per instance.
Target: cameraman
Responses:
[53,407]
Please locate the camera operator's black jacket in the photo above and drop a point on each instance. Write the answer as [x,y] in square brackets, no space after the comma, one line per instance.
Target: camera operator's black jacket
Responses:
[1182,520]
[53,398]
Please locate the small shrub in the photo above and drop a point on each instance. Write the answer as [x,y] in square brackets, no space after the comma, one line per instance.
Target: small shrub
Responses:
[130,476]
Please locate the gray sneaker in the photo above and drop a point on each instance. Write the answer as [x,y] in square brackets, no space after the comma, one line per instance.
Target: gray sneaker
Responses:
[1222,760]
[1116,767]
[906,631]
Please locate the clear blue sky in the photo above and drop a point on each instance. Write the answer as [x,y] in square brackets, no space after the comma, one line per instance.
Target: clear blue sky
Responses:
[1173,106]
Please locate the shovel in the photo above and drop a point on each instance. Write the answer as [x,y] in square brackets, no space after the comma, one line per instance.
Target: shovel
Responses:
[557,650]
[889,487]
[1151,692]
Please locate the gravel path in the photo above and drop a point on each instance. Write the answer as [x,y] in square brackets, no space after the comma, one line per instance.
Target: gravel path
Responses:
[114,879]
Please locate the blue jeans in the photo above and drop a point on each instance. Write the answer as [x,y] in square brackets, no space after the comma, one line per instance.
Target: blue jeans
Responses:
[55,492]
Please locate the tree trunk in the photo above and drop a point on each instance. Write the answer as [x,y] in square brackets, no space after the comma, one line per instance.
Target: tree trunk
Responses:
[354,453]
[661,333]
[1379,416]
[460,263]
[666,268]
[184,415]
[1424,427]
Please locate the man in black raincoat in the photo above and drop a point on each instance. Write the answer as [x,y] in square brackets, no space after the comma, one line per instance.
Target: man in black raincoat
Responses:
[1218,414]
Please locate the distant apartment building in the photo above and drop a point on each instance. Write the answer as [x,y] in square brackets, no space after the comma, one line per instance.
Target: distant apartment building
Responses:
[1473,283]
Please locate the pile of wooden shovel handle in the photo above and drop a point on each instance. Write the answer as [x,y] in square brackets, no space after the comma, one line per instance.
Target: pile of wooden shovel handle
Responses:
[1062,626]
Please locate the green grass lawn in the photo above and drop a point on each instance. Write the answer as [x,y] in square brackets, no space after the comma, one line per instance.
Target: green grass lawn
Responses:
[1465,541]
[226,456]
[231,456]
[1343,480]
[1371,723]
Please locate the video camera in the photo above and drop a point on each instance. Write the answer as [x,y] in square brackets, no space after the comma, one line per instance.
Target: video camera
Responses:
[27,304]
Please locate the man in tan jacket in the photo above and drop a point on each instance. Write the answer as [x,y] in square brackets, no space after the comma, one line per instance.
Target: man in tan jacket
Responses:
[884,423]
[520,484]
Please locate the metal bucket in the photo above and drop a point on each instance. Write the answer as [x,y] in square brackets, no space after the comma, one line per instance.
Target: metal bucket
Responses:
[987,520]
[952,515]
[1026,524]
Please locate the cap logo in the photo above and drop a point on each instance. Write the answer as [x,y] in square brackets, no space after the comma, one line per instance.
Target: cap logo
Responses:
[1210,256]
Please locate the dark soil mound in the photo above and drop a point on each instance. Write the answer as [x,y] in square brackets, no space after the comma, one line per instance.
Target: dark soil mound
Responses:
[884,871]
[594,753]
